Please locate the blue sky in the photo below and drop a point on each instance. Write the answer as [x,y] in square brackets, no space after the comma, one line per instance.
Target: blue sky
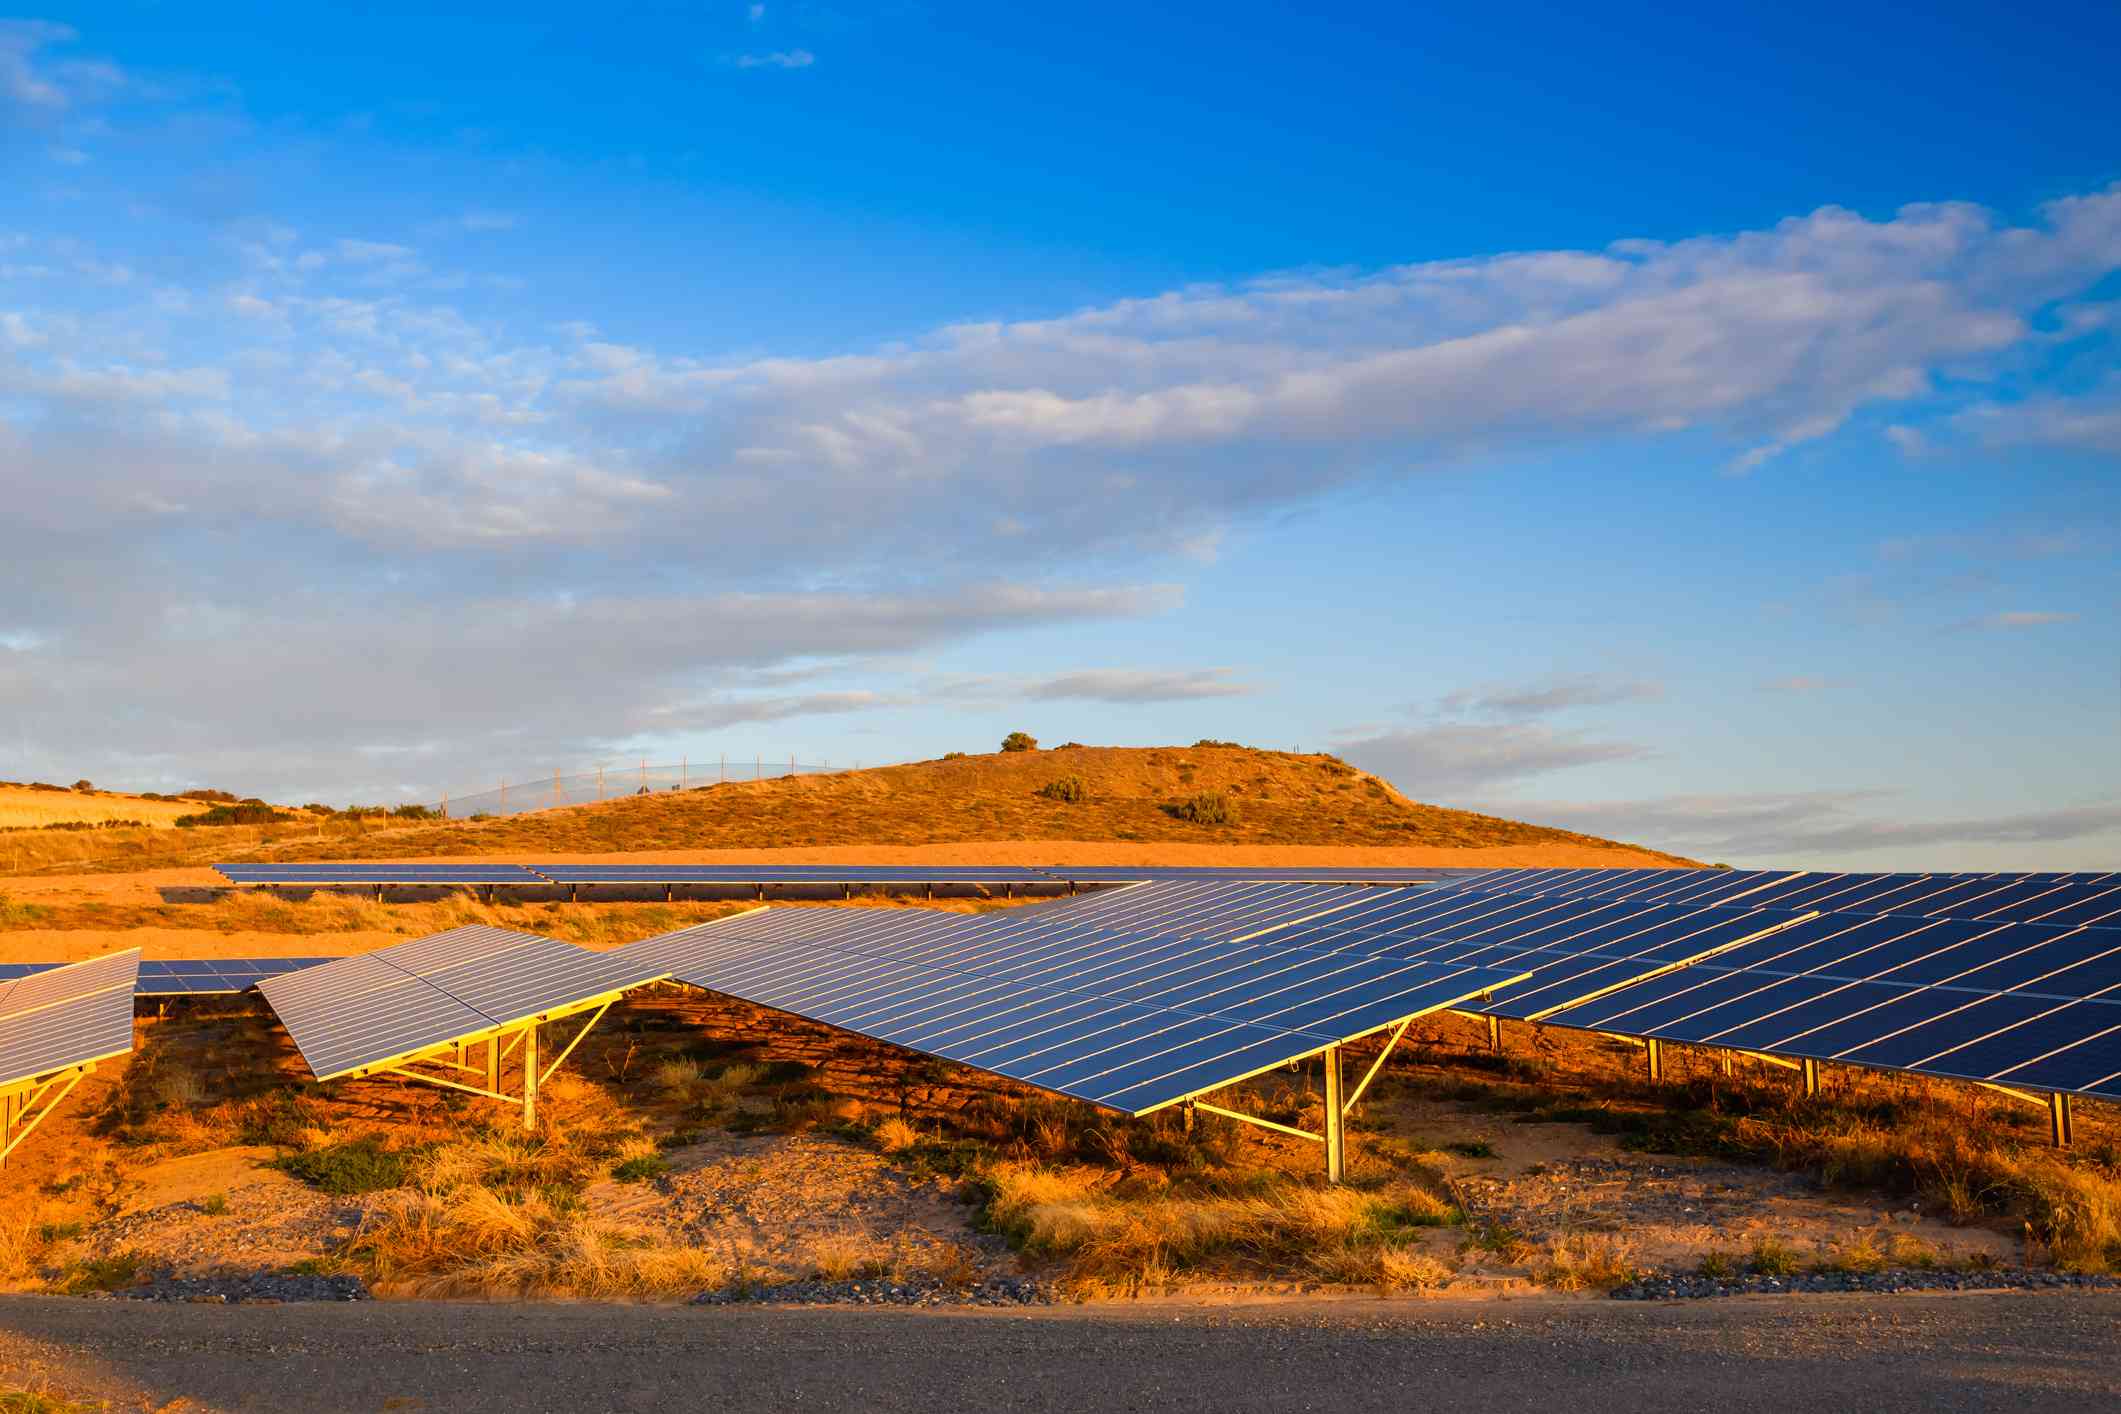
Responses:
[1702,432]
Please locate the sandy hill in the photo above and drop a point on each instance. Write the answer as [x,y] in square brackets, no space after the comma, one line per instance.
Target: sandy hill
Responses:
[1150,795]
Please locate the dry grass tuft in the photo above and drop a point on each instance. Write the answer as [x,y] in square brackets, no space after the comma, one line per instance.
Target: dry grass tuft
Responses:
[1588,1261]
[894,1134]
[1123,1243]
[473,1240]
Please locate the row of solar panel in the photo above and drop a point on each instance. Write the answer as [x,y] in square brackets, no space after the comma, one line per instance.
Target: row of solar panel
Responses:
[535,875]
[2061,898]
[190,976]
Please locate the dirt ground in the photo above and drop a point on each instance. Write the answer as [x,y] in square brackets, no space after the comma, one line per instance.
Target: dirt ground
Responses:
[776,1198]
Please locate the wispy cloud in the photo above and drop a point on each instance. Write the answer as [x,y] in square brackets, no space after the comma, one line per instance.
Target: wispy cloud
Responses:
[1798,683]
[2016,618]
[1443,763]
[1114,685]
[1809,824]
[1553,694]
[1137,685]
[778,59]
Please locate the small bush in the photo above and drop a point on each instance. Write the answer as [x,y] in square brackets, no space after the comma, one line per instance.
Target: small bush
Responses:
[214,1205]
[1019,741]
[1208,808]
[953,756]
[1774,1259]
[114,1273]
[641,1168]
[207,795]
[84,785]
[356,1166]
[1068,788]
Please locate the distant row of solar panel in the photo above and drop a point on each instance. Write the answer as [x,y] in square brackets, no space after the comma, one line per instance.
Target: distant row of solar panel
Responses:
[191,976]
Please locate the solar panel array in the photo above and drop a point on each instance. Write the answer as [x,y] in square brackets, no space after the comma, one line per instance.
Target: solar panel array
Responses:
[361,1013]
[1133,1001]
[787,874]
[191,976]
[2007,978]
[2030,1004]
[1570,949]
[61,1017]
[441,873]
[2064,898]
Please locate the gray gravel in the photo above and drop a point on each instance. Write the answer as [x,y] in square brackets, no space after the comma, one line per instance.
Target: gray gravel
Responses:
[2027,1354]
[1682,1287]
[995,1291]
[258,1286]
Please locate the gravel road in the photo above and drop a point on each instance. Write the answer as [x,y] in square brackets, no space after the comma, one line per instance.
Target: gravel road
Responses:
[1945,1353]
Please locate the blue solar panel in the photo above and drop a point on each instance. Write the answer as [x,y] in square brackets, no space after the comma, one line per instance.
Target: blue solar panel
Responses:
[2023,1003]
[170,977]
[1131,1020]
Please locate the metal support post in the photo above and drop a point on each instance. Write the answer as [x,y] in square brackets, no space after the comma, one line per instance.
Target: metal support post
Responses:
[2060,1122]
[1811,1077]
[530,1076]
[493,1063]
[1336,1120]
[1653,1059]
[1494,1033]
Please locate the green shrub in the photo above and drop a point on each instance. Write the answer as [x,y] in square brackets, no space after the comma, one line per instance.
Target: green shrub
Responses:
[642,1168]
[356,1166]
[246,813]
[1068,788]
[1019,741]
[113,1273]
[1208,808]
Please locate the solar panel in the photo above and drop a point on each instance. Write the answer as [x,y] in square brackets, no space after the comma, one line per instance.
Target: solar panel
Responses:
[372,874]
[60,1017]
[358,1014]
[1133,1021]
[2023,1003]
[786,874]
[1571,948]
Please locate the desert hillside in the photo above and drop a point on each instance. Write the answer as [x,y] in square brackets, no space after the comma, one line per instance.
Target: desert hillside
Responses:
[1198,795]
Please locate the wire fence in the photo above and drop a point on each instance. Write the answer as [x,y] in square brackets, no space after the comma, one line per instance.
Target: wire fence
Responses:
[612,782]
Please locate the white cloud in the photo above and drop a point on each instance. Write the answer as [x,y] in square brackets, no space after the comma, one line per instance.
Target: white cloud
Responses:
[1800,683]
[778,59]
[1442,763]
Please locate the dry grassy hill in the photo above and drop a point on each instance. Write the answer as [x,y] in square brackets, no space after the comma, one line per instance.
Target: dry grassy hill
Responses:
[37,807]
[1157,795]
